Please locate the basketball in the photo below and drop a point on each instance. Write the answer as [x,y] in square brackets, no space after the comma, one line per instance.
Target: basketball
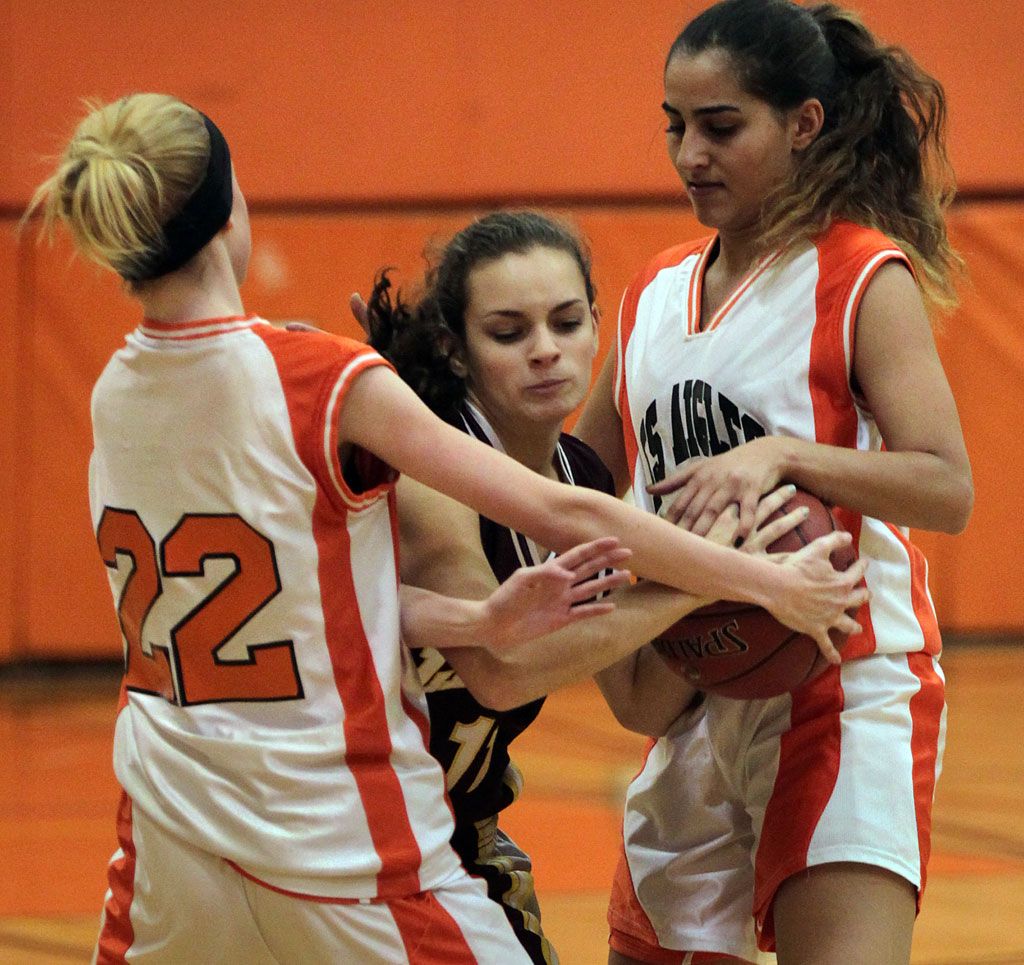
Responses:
[740,650]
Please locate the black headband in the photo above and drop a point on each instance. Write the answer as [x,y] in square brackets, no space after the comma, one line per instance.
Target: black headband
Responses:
[205,212]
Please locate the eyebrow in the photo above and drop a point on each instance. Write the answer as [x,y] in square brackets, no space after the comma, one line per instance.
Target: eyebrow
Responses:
[701,111]
[512,313]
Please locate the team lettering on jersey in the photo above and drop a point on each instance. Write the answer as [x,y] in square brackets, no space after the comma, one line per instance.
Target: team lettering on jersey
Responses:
[435,672]
[699,422]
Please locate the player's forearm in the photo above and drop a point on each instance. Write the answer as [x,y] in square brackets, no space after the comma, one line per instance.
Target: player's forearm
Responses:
[517,675]
[430,619]
[666,554]
[922,490]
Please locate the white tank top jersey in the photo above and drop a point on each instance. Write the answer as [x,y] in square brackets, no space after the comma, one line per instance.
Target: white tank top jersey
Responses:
[269,714]
[775,359]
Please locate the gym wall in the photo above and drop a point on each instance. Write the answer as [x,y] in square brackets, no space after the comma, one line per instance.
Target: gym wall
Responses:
[361,130]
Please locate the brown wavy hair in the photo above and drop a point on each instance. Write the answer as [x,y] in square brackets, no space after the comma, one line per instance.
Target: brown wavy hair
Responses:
[419,338]
[880,159]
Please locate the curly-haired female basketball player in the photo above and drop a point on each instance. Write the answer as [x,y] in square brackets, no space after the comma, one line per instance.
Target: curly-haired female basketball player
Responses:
[280,803]
[501,344]
[793,344]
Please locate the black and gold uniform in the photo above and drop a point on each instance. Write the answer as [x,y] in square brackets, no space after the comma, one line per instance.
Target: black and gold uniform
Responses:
[472,741]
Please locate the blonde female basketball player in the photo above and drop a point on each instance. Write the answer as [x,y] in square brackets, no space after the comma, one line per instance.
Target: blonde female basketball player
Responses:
[794,345]
[280,803]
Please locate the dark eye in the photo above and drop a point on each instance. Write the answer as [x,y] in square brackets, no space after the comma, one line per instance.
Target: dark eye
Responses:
[568,324]
[676,129]
[722,130]
[506,335]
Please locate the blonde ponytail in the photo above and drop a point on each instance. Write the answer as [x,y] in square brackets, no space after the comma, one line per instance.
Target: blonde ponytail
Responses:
[130,167]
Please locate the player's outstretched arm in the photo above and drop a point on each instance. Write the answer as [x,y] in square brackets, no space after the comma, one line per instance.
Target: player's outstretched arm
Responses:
[534,601]
[449,558]
[383,415]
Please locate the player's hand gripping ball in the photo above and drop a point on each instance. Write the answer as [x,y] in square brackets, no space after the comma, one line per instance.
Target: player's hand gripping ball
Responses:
[740,650]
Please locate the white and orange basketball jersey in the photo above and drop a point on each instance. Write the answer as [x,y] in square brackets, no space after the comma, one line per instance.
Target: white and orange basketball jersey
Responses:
[775,359]
[268,713]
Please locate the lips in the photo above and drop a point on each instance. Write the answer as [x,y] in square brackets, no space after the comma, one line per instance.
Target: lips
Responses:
[547,387]
[701,188]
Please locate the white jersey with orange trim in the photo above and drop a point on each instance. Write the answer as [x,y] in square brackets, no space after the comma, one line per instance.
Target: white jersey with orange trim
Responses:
[269,714]
[775,359]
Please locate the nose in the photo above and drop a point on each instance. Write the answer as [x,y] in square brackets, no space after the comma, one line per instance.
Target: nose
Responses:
[545,348]
[691,153]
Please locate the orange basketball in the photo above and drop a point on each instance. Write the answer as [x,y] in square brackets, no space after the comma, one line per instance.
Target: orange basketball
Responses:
[740,650]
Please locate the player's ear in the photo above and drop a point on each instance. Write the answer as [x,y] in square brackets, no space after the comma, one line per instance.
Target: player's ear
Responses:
[457,364]
[807,121]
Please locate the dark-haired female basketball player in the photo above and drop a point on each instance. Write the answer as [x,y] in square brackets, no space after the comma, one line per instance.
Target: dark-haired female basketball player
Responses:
[793,344]
[501,344]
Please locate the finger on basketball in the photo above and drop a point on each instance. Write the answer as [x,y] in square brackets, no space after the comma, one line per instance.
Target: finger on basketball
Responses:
[711,512]
[773,501]
[723,530]
[768,533]
[748,511]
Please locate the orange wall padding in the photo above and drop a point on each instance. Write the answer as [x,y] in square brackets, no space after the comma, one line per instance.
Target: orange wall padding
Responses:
[11,486]
[54,599]
[343,102]
[976,575]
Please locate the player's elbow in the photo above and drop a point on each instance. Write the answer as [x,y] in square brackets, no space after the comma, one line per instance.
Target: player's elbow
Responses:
[641,717]
[959,503]
[500,691]
[577,516]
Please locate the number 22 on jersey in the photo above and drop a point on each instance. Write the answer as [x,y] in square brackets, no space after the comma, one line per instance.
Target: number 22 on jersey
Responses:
[191,668]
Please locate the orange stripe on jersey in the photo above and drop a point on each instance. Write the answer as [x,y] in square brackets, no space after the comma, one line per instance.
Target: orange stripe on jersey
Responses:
[197,328]
[430,935]
[837,299]
[809,755]
[116,932]
[756,272]
[926,715]
[695,291]
[415,714]
[367,731]
[315,393]
[627,321]
[838,296]
[333,440]
[625,913]
[312,406]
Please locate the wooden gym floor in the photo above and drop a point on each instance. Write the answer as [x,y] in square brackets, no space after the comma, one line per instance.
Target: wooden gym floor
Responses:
[57,799]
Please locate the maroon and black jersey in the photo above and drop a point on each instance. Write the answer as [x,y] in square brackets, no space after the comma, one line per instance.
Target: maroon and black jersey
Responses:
[472,741]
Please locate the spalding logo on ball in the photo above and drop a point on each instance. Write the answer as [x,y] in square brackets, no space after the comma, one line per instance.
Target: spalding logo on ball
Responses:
[740,650]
